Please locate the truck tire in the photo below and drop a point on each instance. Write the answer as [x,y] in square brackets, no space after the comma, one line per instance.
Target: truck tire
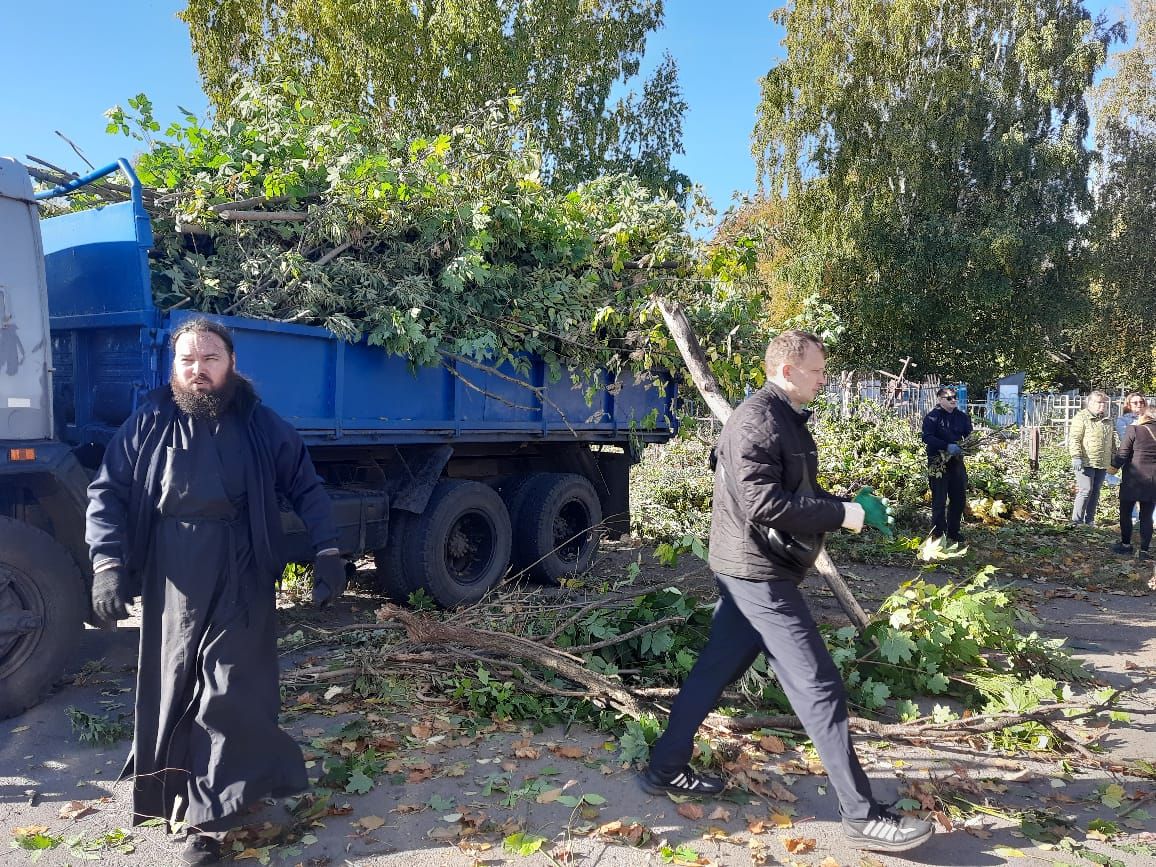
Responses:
[557,526]
[459,547]
[41,586]
[512,490]
[392,579]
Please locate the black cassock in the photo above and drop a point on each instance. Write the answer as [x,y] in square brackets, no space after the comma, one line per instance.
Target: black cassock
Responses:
[207,743]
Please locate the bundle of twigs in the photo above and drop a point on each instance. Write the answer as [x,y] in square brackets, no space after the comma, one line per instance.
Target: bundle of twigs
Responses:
[971,445]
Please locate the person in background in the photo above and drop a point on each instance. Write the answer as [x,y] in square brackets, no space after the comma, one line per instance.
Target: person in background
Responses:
[1130,410]
[1092,444]
[944,428]
[1137,457]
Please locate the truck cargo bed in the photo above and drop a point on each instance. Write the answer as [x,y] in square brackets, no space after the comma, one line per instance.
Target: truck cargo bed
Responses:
[109,345]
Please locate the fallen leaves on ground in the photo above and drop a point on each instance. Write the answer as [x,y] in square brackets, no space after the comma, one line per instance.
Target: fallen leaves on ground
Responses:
[798,845]
[690,811]
[633,833]
[76,810]
[772,744]
[369,823]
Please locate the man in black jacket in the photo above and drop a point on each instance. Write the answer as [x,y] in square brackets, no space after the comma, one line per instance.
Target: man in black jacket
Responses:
[767,528]
[944,428]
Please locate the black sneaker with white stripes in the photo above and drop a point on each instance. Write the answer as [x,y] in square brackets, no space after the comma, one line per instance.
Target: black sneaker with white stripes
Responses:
[886,831]
[685,782]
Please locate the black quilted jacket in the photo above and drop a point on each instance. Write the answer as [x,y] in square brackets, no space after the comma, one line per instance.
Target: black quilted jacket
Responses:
[769,513]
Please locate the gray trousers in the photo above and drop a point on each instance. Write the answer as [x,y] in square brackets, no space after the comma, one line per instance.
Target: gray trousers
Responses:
[1089,480]
[771,617]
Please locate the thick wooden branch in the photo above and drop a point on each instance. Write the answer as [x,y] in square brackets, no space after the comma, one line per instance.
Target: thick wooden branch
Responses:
[264,216]
[429,632]
[826,567]
[104,188]
[107,192]
[917,731]
[335,252]
[245,204]
[694,358]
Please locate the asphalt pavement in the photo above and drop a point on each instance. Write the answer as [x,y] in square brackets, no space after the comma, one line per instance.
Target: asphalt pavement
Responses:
[446,785]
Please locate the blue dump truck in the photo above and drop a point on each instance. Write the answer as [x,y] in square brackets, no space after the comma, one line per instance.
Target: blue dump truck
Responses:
[449,475]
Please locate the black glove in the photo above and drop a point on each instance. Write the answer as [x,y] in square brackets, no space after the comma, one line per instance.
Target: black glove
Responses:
[328,579]
[110,594]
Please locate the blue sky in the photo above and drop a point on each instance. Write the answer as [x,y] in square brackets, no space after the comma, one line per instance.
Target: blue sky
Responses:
[63,65]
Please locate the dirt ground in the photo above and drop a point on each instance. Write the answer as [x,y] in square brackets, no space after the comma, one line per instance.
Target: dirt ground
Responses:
[451,792]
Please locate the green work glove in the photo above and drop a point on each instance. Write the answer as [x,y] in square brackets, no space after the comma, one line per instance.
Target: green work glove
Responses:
[877,512]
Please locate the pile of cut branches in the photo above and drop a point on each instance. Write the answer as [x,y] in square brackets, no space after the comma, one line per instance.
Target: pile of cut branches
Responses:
[618,658]
[447,242]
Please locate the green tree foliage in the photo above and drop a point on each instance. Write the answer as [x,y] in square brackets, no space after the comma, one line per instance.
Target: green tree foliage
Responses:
[429,64]
[933,152]
[422,245]
[1115,344]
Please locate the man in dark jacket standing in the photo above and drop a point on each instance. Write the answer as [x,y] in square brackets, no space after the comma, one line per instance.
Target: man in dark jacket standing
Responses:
[944,428]
[767,528]
[184,513]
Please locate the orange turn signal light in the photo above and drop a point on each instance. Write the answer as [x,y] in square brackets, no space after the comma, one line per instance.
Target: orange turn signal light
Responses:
[21,454]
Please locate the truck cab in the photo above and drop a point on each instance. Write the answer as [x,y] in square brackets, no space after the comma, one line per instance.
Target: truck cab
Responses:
[43,559]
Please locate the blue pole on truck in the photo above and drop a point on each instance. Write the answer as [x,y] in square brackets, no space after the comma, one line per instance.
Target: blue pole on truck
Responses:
[77,183]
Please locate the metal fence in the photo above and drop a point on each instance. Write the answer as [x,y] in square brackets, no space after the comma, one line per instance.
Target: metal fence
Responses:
[851,392]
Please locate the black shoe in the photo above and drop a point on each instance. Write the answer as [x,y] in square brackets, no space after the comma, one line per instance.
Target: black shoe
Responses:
[200,850]
[1144,555]
[685,782]
[1121,548]
[886,832]
[956,538]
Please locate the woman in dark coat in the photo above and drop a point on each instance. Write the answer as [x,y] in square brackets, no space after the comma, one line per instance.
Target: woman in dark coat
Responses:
[1137,455]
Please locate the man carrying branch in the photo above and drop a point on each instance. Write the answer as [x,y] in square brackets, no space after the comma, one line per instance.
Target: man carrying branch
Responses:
[767,529]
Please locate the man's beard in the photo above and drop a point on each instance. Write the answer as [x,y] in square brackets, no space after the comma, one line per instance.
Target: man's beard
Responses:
[205,404]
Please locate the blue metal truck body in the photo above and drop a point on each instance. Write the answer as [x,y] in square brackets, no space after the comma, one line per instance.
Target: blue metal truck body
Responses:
[109,345]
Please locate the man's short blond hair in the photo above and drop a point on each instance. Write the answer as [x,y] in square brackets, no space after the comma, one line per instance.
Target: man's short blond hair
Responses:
[790,347]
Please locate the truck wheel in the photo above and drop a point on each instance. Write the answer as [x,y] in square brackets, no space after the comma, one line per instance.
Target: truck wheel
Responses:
[557,527]
[512,490]
[42,610]
[459,546]
[392,579]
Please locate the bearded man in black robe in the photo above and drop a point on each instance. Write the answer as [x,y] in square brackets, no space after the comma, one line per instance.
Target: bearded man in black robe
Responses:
[184,513]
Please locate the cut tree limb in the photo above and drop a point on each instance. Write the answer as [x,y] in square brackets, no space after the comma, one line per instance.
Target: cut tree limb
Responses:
[429,632]
[431,647]
[826,567]
[694,358]
[245,204]
[264,216]
[700,373]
